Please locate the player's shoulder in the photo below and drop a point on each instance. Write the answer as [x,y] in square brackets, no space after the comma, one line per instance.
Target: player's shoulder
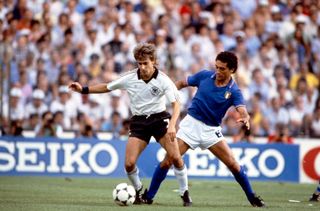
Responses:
[163,76]
[204,73]
[233,85]
[234,88]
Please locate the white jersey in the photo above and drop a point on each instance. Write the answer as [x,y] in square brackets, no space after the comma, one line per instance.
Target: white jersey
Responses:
[146,98]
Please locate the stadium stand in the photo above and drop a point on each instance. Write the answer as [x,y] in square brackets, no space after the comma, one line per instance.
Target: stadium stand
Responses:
[44,45]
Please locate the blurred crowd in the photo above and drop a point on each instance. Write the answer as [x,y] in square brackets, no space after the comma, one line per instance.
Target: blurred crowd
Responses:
[44,45]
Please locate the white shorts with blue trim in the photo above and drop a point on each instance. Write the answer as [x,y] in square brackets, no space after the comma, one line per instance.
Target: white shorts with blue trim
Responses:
[197,134]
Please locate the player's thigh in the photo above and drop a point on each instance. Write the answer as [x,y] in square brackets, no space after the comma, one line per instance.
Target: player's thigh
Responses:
[170,146]
[167,161]
[134,148]
[223,152]
[173,154]
[183,147]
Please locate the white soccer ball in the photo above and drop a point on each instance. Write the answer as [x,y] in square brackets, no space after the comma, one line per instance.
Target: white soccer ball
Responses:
[124,194]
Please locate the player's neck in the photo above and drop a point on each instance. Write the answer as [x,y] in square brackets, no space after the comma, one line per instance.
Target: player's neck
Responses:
[147,78]
[222,83]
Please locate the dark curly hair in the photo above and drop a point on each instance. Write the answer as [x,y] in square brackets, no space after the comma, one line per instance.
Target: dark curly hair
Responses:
[229,58]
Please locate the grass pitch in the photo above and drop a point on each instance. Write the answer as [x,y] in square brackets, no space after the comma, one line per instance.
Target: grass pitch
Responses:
[55,193]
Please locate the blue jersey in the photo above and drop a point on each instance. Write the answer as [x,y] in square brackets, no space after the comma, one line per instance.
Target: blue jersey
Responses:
[210,103]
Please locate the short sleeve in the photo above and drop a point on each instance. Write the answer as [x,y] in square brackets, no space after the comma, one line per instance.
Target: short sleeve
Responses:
[119,83]
[238,98]
[171,92]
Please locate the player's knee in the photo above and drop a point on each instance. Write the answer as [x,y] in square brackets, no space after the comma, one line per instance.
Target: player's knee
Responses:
[129,165]
[166,163]
[176,160]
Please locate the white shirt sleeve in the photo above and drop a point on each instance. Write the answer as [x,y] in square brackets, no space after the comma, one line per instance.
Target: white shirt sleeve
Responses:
[171,92]
[119,83]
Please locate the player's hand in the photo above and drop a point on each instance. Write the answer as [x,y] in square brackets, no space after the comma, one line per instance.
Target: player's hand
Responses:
[172,133]
[245,121]
[76,87]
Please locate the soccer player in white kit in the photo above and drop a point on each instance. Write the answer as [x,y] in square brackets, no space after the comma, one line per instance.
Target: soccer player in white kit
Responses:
[148,88]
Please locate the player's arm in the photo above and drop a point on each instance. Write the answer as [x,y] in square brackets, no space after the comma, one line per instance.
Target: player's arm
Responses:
[174,117]
[193,80]
[98,88]
[181,84]
[244,116]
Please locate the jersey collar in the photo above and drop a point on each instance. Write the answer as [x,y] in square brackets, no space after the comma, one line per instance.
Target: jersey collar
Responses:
[154,75]
[229,85]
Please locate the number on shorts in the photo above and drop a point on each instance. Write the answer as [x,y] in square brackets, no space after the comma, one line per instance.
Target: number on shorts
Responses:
[167,121]
[218,134]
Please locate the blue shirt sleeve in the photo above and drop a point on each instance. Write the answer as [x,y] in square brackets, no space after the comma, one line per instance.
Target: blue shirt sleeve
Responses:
[194,80]
[237,98]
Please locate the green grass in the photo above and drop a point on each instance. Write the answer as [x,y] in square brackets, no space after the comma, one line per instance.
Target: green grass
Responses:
[53,193]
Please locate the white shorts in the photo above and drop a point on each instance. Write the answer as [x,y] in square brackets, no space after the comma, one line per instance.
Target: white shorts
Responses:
[197,134]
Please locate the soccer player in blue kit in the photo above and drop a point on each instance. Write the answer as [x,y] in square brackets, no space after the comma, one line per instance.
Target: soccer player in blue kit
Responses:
[216,93]
[316,195]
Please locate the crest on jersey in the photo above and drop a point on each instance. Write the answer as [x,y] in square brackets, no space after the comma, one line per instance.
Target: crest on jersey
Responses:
[227,95]
[155,91]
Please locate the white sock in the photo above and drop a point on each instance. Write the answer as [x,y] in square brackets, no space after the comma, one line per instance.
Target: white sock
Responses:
[135,179]
[182,177]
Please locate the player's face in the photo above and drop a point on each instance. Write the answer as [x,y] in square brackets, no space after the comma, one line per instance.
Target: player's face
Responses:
[146,67]
[223,73]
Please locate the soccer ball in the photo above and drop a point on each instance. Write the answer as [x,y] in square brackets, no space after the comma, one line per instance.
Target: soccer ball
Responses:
[124,194]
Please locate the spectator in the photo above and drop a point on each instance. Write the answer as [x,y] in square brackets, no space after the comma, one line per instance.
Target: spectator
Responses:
[259,122]
[281,135]
[58,122]
[297,113]
[44,44]
[16,128]
[312,124]
[244,135]
[116,105]
[114,125]
[259,85]
[37,106]
[95,111]
[94,66]
[274,24]
[15,107]
[227,38]
[124,131]
[276,114]
[87,131]
[304,72]
[32,121]
[47,127]
[66,105]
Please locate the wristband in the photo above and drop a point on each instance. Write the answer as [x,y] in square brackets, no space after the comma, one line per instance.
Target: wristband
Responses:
[85,90]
